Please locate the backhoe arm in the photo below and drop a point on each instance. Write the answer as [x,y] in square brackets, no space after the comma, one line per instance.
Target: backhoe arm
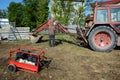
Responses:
[64,29]
[43,26]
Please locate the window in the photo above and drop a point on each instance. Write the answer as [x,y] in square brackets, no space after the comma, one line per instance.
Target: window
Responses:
[115,14]
[101,15]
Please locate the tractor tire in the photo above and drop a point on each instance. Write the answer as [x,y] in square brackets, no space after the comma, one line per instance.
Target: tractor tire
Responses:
[12,68]
[102,39]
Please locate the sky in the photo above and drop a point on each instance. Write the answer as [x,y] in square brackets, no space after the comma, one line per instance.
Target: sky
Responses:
[5,3]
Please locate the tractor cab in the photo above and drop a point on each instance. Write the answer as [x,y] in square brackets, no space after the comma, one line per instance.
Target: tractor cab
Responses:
[108,15]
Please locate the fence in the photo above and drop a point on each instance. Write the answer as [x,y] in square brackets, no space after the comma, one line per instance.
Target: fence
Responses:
[14,33]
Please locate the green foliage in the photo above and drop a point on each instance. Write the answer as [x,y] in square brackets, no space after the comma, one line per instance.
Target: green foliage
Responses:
[30,9]
[79,18]
[42,13]
[3,13]
[68,12]
[15,13]
[30,13]
[62,10]
[36,12]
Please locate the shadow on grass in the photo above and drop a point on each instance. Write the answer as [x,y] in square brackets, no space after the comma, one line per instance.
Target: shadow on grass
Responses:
[59,41]
[45,63]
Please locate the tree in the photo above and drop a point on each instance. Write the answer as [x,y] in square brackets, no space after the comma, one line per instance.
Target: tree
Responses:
[36,12]
[30,9]
[62,11]
[3,13]
[30,13]
[79,18]
[69,12]
[42,11]
[15,13]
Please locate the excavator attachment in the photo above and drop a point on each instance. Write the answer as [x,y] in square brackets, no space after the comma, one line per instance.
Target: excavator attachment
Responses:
[36,39]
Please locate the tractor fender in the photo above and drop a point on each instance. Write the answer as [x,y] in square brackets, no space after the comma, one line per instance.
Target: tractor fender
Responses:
[95,25]
[90,30]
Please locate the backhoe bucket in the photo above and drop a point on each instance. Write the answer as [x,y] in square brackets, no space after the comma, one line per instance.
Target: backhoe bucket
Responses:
[35,39]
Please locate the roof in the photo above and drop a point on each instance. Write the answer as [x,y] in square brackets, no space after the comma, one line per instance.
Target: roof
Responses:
[107,2]
[3,19]
[111,2]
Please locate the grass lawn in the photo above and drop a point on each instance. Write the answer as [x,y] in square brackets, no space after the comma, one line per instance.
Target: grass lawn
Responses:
[70,62]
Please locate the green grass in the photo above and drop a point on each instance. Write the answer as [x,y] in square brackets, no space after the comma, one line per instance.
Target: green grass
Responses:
[70,62]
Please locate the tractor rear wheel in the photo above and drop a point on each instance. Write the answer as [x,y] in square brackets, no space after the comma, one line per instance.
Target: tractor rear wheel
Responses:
[102,39]
[12,68]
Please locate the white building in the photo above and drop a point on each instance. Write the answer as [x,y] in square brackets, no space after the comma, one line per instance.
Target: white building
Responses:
[4,21]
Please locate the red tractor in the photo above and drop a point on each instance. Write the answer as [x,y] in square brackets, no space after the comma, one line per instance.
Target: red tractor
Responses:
[103,35]
[27,59]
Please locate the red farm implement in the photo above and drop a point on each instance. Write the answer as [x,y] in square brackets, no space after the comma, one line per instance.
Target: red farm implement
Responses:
[27,59]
